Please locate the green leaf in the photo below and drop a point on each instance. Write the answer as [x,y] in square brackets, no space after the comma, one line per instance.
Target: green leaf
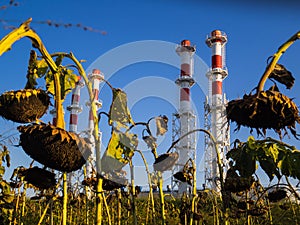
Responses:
[244,159]
[114,149]
[128,142]
[272,151]
[42,67]
[276,158]
[59,59]
[270,168]
[50,82]
[36,69]
[67,80]
[268,158]
[290,165]
[31,71]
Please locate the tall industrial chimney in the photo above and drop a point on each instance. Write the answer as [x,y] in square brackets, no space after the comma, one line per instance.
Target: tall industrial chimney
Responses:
[185,115]
[215,109]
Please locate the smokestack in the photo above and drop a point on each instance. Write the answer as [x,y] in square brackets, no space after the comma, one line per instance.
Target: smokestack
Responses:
[185,81]
[219,129]
[75,108]
[187,146]
[95,77]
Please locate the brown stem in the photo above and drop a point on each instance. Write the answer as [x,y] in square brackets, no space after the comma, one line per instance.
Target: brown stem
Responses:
[275,59]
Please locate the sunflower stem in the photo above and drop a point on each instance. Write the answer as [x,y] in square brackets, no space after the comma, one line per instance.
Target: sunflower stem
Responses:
[275,59]
[219,162]
[161,197]
[16,210]
[119,206]
[45,210]
[133,193]
[87,192]
[150,188]
[65,198]
[23,203]
[193,209]
[291,188]
[107,210]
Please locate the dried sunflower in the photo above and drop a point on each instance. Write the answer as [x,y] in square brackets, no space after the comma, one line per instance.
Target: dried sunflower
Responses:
[38,177]
[265,110]
[184,177]
[54,147]
[111,181]
[277,195]
[235,183]
[24,106]
[165,161]
[268,109]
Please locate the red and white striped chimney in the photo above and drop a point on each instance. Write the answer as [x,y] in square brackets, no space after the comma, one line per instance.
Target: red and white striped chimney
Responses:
[185,81]
[185,148]
[216,42]
[75,108]
[95,77]
[216,75]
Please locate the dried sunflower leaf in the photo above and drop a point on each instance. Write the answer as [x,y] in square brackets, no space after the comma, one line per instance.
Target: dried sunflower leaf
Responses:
[161,125]
[119,111]
[283,76]
[150,141]
[120,149]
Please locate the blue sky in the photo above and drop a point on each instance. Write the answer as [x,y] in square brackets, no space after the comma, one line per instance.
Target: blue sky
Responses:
[255,30]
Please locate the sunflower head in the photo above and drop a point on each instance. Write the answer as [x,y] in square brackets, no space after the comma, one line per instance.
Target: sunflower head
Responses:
[266,110]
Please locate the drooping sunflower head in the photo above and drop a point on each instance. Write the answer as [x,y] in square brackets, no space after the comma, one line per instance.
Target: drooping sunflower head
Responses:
[266,110]
[24,106]
[38,177]
[165,161]
[54,147]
